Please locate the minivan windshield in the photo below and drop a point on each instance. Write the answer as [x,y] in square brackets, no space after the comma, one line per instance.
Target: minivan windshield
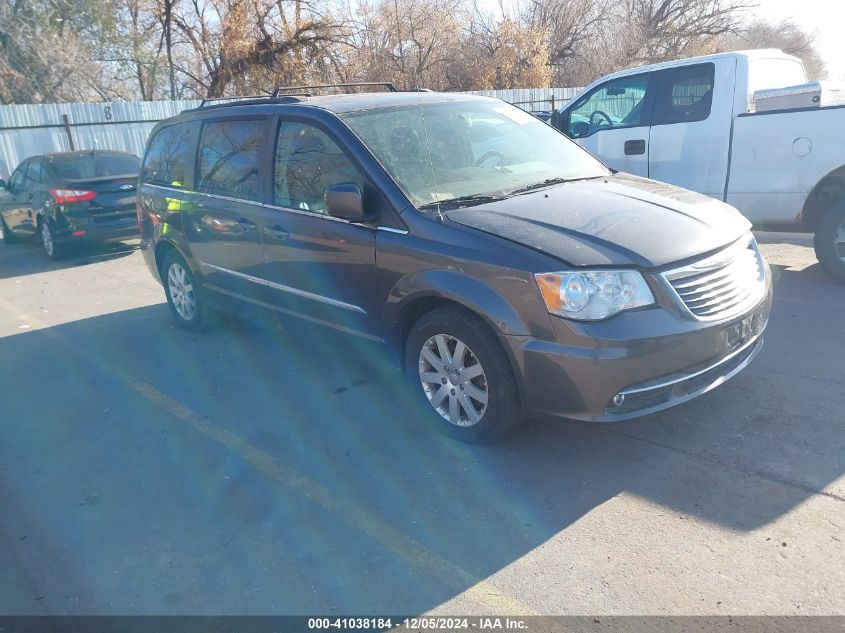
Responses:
[469,150]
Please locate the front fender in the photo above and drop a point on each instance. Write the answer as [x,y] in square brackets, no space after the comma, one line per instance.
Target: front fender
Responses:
[460,288]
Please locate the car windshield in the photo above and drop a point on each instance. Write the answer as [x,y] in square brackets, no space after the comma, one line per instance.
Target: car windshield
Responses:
[85,166]
[469,150]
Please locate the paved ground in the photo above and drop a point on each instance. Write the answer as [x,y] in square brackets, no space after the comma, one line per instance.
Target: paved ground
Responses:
[144,469]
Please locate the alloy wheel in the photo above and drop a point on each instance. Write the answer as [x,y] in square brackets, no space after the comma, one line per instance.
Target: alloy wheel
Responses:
[839,241]
[181,291]
[453,380]
[47,238]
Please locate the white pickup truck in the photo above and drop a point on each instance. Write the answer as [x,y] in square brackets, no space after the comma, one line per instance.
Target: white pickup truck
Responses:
[701,123]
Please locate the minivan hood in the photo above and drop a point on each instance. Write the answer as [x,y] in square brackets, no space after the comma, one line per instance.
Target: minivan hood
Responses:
[618,220]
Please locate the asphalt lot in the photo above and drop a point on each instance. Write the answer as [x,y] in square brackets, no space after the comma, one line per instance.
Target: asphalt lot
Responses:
[144,469]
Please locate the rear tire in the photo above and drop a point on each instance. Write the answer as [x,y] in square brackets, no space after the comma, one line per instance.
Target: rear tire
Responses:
[8,237]
[52,249]
[184,297]
[829,242]
[462,377]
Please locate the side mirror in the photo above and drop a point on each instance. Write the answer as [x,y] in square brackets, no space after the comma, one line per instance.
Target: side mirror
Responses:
[345,200]
[581,128]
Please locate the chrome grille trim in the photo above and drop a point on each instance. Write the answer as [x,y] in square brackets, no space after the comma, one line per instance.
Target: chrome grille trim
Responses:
[721,286]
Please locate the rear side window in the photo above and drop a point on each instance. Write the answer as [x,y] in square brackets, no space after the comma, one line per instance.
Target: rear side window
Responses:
[16,180]
[84,166]
[35,173]
[168,156]
[229,158]
[685,94]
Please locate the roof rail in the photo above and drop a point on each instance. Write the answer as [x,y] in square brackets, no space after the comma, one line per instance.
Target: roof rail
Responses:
[303,90]
[208,100]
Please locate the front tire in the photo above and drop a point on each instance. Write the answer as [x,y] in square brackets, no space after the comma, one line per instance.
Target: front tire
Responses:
[183,295]
[829,242]
[8,237]
[462,376]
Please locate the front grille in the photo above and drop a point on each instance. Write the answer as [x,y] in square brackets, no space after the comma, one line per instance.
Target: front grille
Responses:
[723,285]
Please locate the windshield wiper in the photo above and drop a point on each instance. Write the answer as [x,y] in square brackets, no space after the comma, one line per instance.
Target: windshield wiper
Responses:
[466,201]
[548,182]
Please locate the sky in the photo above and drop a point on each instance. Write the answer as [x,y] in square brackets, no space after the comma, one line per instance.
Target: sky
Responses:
[825,16]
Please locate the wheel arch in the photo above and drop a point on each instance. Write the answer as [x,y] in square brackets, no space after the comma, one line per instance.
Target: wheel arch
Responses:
[826,194]
[416,294]
[449,288]
[161,251]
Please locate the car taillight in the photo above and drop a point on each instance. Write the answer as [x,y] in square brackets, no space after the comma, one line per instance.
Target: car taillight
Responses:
[64,196]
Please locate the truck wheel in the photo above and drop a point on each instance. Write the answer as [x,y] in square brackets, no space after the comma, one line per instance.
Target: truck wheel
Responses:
[829,243]
[462,376]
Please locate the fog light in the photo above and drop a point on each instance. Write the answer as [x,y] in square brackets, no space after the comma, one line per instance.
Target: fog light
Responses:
[619,399]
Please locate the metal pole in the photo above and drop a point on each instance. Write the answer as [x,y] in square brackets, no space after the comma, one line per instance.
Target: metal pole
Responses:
[67,131]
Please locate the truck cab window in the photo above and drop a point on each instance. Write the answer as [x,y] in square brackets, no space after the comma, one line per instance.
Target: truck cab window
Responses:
[685,94]
[616,104]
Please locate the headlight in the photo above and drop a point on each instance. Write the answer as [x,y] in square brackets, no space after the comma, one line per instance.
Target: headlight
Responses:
[592,295]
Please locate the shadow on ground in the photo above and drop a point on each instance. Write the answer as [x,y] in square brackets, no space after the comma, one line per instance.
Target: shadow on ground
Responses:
[136,510]
[27,257]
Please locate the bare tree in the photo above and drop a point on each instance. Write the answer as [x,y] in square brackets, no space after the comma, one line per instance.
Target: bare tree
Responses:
[166,8]
[661,30]
[500,50]
[569,23]
[246,45]
[785,35]
[44,53]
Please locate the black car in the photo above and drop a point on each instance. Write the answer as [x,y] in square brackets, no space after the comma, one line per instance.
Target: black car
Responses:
[500,266]
[70,198]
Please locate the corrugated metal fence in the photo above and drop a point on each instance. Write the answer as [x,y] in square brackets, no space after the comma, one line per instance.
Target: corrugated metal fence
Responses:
[26,130]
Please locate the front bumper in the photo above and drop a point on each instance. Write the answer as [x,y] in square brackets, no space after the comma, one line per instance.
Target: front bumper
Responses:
[635,364]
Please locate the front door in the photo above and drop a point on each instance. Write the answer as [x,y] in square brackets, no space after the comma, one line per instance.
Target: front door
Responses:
[612,123]
[17,202]
[689,133]
[223,219]
[320,269]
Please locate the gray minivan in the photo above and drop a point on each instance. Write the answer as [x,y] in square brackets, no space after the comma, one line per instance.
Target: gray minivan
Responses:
[505,270]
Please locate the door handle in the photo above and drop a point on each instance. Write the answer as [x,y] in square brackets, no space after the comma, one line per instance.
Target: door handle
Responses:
[276,231]
[246,225]
[635,147]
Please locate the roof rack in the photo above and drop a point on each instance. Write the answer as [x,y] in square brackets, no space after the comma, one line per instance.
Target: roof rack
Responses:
[304,90]
[282,94]
[208,100]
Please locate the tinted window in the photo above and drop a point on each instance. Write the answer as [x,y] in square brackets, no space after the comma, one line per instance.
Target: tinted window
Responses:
[230,154]
[34,173]
[16,179]
[168,155]
[308,161]
[83,166]
[685,94]
[616,104]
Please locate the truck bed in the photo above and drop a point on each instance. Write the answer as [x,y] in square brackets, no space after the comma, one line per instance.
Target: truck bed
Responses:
[776,156]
